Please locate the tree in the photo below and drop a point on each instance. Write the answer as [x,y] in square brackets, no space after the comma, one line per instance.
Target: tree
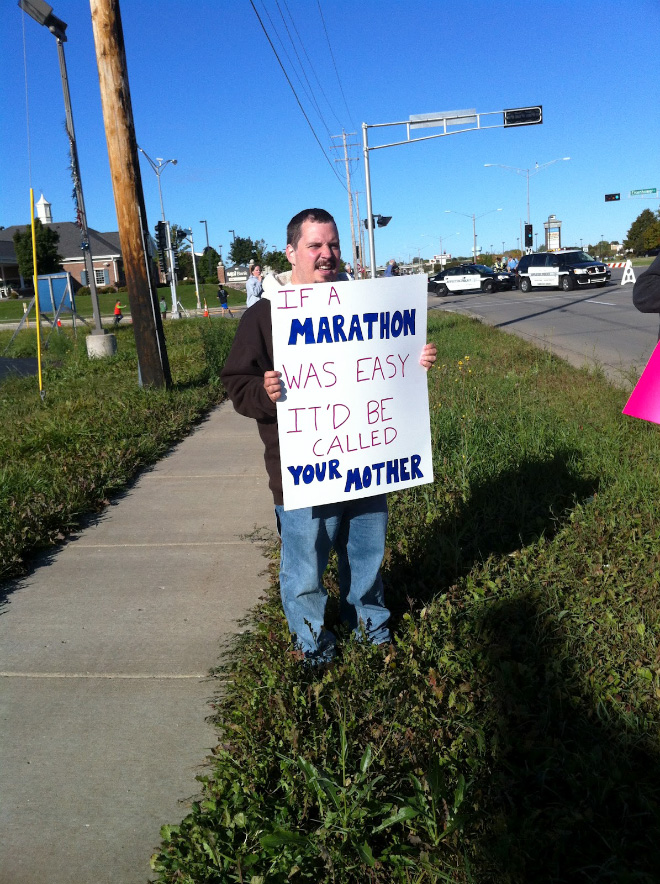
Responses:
[241,250]
[652,235]
[207,266]
[185,264]
[245,251]
[636,235]
[277,260]
[48,260]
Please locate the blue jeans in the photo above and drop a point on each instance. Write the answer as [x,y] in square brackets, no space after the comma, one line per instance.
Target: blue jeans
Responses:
[357,530]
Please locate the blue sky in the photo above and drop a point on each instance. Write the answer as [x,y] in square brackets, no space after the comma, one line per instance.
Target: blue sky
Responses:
[207,90]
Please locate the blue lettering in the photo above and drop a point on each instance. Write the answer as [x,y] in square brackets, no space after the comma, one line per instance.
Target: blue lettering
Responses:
[300,328]
[378,467]
[366,477]
[370,318]
[353,478]
[392,471]
[334,472]
[415,471]
[324,331]
[308,474]
[320,471]
[405,475]
[295,472]
[409,322]
[384,325]
[355,331]
[338,328]
[397,324]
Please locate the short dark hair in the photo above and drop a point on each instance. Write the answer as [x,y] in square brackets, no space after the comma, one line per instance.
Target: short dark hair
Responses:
[294,227]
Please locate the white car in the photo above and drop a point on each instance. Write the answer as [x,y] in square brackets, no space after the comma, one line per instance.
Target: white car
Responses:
[566,269]
[470,277]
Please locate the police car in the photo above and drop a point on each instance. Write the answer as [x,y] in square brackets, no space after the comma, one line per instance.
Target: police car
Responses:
[470,277]
[565,269]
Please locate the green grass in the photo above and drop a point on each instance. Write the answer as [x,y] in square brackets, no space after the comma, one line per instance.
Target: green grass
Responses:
[11,310]
[510,732]
[95,429]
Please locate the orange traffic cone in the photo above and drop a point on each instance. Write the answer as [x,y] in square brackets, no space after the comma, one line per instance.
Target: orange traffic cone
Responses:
[206,309]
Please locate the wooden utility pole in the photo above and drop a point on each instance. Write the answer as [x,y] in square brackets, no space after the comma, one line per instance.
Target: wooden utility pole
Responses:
[129,197]
[350,194]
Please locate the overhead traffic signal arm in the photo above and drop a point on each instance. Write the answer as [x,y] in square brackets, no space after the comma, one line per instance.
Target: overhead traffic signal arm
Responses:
[523,116]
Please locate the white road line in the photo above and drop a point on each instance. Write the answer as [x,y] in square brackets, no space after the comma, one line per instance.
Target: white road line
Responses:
[606,303]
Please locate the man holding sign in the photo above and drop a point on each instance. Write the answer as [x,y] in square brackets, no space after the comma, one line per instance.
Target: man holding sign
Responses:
[355,525]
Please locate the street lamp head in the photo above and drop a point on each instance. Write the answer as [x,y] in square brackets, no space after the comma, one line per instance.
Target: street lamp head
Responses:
[174,162]
[42,13]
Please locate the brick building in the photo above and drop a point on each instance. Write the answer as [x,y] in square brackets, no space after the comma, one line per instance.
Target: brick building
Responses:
[105,249]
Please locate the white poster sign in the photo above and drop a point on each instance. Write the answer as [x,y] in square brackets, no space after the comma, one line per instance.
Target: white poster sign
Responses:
[354,417]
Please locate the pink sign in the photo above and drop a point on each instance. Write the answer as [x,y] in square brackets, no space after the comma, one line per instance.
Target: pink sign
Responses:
[644,401]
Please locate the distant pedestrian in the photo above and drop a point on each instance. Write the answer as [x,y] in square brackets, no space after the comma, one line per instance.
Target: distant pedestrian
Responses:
[348,270]
[512,264]
[389,270]
[646,291]
[163,307]
[222,297]
[118,314]
[254,287]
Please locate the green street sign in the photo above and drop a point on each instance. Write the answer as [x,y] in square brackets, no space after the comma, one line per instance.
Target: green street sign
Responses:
[645,190]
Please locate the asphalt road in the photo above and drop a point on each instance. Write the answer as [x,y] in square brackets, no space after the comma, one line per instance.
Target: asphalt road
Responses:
[596,326]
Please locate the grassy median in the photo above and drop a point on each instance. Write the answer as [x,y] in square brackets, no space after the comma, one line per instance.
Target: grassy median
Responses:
[510,732]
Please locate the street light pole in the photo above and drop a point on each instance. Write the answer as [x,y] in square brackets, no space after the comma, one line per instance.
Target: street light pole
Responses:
[475,218]
[158,166]
[194,263]
[206,263]
[42,13]
[527,173]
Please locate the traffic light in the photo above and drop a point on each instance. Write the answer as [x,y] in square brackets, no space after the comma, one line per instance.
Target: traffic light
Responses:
[529,235]
[161,244]
[612,197]
[161,236]
[383,220]
[523,116]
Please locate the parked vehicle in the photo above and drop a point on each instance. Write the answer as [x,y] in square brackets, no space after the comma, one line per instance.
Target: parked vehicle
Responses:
[566,269]
[470,277]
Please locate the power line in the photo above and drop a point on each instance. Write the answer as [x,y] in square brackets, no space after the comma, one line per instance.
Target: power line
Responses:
[302,67]
[327,158]
[332,111]
[318,2]
[286,53]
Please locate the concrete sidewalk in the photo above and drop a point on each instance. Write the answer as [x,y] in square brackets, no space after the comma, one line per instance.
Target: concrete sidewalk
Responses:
[104,650]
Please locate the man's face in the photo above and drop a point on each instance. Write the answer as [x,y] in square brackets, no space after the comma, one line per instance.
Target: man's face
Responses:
[317,255]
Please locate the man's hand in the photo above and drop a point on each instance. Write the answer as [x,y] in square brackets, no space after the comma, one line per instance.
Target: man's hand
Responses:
[428,357]
[273,384]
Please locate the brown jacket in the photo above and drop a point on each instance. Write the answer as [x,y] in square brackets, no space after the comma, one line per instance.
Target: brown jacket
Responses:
[250,356]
